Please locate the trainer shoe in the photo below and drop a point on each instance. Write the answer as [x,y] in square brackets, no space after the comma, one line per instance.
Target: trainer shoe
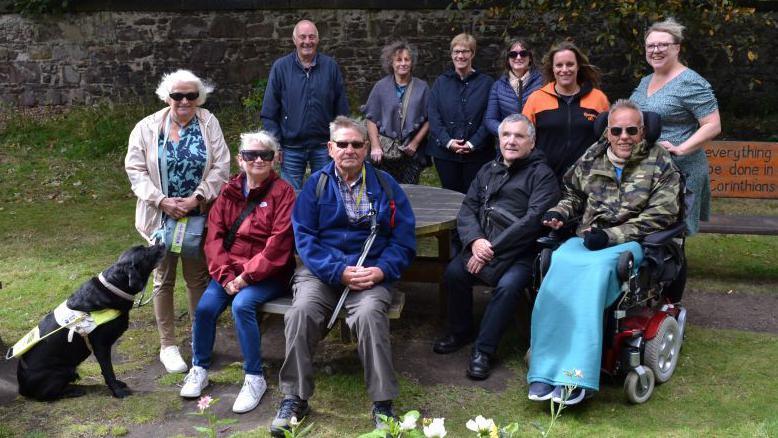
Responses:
[539,391]
[254,387]
[575,396]
[291,406]
[171,359]
[382,408]
[194,382]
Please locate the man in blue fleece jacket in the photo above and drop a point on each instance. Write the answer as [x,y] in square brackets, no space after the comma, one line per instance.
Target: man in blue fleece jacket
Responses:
[331,224]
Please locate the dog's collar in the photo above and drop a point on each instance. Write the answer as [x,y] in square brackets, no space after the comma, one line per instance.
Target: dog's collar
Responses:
[114,289]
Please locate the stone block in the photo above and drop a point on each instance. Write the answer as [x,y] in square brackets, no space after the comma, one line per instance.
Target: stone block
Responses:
[208,52]
[187,26]
[226,26]
[70,76]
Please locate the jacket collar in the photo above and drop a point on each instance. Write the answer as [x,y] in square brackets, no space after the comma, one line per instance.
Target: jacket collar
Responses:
[234,187]
[586,88]
[453,74]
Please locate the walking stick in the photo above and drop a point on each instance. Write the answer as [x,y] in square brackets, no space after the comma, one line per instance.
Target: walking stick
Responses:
[360,262]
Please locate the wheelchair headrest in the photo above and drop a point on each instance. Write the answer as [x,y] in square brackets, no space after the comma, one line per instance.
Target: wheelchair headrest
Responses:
[652,125]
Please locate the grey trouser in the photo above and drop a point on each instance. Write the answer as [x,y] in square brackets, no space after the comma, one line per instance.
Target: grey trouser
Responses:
[306,324]
[196,277]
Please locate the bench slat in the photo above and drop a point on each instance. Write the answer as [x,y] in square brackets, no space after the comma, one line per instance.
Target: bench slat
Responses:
[280,305]
[727,224]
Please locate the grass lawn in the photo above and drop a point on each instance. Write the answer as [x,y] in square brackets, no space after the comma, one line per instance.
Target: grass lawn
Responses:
[66,211]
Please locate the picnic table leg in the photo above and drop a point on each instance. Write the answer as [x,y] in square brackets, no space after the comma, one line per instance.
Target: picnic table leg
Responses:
[444,255]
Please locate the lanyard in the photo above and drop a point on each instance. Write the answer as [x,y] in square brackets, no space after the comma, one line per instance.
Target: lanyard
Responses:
[362,188]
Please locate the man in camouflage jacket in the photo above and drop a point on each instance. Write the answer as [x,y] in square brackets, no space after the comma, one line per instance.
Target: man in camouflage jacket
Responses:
[622,187]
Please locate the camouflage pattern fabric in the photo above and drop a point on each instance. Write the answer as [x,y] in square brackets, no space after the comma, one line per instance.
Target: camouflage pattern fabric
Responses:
[644,201]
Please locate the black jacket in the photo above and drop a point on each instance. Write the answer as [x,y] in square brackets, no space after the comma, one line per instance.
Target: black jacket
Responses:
[504,205]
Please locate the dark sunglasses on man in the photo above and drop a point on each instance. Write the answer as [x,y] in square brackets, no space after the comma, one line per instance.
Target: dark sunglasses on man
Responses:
[513,54]
[180,96]
[631,130]
[252,155]
[354,144]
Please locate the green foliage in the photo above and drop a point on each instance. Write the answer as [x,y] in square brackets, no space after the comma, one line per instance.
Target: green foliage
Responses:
[39,7]
[253,102]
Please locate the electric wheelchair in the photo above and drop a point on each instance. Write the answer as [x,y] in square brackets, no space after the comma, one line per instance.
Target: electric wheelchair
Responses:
[644,328]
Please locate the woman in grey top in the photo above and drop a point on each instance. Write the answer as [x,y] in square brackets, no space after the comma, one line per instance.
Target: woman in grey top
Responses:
[689,111]
[397,109]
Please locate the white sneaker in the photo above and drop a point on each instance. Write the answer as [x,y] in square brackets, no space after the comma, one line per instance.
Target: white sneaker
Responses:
[171,359]
[253,389]
[194,382]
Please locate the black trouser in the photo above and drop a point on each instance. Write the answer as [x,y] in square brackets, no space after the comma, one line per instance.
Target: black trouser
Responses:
[502,307]
[455,175]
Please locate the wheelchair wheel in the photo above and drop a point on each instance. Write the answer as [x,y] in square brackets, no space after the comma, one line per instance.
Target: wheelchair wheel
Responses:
[634,391]
[626,261]
[545,261]
[661,354]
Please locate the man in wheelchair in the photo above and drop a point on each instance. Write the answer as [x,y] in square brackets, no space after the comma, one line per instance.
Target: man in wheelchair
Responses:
[497,224]
[622,189]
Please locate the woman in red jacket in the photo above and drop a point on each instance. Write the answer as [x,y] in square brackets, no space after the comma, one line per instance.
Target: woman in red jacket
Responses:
[250,262]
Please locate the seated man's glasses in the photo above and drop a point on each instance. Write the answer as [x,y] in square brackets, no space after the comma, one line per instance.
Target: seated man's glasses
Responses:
[631,130]
[180,96]
[252,155]
[354,144]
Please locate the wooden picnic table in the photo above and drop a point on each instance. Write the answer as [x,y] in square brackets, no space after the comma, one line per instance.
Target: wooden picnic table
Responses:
[436,212]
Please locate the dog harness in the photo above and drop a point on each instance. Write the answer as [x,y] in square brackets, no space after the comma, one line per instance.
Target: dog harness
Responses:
[76,321]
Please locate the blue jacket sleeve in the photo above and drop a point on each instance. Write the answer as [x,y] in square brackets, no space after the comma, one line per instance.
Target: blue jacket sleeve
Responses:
[305,222]
[437,128]
[492,117]
[401,250]
[341,98]
[271,104]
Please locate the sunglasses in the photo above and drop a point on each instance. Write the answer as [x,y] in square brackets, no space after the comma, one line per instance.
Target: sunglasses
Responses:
[513,54]
[354,144]
[631,130]
[252,155]
[180,96]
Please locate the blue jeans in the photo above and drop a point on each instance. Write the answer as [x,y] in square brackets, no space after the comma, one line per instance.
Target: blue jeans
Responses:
[244,312]
[295,160]
[502,307]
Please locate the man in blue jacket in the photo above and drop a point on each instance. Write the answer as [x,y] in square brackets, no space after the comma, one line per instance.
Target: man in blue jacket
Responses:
[305,91]
[332,221]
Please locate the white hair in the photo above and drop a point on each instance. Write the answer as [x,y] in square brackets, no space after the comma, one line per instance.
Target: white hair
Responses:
[262,137]
[169,80]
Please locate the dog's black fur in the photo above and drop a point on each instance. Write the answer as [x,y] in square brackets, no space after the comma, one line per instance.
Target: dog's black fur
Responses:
[46,371]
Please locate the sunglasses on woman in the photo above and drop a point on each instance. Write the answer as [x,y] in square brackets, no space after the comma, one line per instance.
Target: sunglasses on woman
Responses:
[252,155]
[513,54]
[180,96]
[631,130]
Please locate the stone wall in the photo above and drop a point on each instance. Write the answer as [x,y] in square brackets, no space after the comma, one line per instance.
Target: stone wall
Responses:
[91,56]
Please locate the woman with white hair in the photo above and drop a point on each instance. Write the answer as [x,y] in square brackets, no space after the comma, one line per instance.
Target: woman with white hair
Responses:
[250,258]
[177,161]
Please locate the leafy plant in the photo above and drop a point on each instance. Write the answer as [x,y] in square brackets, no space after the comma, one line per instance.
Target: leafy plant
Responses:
[253,102]
[296,429]
[39,7]
[214,423]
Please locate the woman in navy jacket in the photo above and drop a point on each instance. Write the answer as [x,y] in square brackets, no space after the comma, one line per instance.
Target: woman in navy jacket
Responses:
[510,92]
[459,140]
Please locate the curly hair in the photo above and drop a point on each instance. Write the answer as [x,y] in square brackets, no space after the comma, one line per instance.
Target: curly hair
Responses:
[391,50]
[169,80]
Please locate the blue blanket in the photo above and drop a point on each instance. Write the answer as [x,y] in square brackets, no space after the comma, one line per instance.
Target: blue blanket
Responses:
[567,320]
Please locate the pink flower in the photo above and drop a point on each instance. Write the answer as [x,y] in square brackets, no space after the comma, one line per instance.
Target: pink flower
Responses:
[204,403]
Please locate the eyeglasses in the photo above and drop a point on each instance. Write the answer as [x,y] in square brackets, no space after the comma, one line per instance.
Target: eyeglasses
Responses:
[631,130]
[252,155]
[461,52]
[354,144]
[180,96]
[658,47]
[513,54]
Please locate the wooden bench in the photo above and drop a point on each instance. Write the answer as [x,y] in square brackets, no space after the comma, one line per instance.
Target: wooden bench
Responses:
[742,169]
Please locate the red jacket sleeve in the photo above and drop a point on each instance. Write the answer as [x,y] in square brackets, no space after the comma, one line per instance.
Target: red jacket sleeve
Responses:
[219,265]
[279,246]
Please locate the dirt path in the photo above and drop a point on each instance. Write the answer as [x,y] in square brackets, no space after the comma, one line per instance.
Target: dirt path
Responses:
[412,340]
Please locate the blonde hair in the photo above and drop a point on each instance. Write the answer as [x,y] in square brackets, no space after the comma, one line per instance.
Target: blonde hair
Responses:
[169,80]
[670,26]
[464,39]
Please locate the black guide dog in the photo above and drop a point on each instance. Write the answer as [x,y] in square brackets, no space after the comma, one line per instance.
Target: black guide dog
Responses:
[46,371]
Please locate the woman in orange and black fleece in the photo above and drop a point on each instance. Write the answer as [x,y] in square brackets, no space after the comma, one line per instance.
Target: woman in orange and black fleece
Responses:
[564,110]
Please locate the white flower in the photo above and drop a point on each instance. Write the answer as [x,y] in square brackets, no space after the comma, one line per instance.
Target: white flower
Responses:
[408,423]
[294,422]
[578,373]
[480,424]
[436,429]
